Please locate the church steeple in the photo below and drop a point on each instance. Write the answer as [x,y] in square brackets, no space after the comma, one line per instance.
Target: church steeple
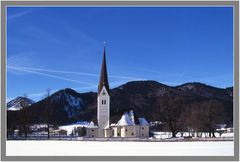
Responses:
[103,77]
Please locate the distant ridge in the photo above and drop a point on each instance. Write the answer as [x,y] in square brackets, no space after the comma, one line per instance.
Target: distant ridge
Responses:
[144,97]
[14,104]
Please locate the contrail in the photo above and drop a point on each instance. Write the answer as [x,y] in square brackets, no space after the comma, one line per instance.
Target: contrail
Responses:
[77,73]
[20,14]
[49,75]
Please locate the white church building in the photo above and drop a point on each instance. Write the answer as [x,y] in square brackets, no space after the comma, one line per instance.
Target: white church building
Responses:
[125,127]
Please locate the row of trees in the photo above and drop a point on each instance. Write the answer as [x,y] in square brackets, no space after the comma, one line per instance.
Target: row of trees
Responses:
[198,116]
[23,117]
[79,131]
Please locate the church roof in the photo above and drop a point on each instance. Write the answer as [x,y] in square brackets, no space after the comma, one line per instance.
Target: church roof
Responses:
[103,77]
[125,120]
[143,122]
[91,125]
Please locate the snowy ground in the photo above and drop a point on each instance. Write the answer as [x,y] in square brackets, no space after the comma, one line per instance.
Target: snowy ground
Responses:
[69,128]
[91,148]
[164,135]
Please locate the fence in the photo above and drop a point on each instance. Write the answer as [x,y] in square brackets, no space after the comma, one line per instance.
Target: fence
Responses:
[125,139]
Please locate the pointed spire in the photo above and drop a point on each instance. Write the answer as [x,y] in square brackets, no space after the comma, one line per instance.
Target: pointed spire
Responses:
[103,77]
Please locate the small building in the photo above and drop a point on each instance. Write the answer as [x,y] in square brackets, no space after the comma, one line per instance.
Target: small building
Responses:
[126,126]
[59,132]
[91,130]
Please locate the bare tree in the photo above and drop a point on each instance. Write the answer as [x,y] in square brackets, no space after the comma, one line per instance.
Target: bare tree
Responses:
[48,111]
[211,114]
[194,119]
[24,117]
[171,111]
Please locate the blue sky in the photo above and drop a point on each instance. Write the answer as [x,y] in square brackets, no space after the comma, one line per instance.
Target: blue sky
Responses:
[60,47]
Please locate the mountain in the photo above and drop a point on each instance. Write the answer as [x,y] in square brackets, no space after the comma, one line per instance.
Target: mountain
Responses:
[69,100]
[16,104]
[143,97]
[204,90]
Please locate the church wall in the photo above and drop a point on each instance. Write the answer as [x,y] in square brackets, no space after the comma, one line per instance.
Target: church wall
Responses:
[128,131]
[108,133]
[144,131]
[117,131]
[92,132]
[103,111]
[137,128]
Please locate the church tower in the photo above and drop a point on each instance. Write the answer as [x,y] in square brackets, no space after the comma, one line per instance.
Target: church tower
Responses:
[103,100]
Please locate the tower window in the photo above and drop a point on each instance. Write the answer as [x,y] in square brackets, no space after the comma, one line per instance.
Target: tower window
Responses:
[104,102]
[132,134]
[142,128]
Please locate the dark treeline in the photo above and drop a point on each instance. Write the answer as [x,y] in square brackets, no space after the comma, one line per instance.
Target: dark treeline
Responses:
[179,116]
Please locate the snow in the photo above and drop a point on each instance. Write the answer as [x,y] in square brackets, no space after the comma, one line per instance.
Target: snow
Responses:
[96,148]
[164,135]
[125,120]
[15,107]
[188,86]
[74,104]
[74,101]
[69,128]
[143,122]
[128,119]
[14,104]
[91,125]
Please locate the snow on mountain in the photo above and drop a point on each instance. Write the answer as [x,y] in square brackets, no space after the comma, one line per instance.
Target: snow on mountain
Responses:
[72,103]
[15,104]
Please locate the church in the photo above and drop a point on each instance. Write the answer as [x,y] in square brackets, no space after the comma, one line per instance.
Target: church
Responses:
[125,127]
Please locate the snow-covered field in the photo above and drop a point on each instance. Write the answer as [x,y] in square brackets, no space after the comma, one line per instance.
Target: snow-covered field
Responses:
[69,128]
[164,135]
[91,148]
